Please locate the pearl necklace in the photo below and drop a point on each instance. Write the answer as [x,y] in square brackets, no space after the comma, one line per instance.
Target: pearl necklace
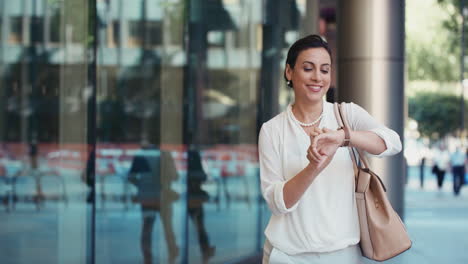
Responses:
[306,124]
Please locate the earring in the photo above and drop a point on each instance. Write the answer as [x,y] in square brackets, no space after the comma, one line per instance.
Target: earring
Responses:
[288,83]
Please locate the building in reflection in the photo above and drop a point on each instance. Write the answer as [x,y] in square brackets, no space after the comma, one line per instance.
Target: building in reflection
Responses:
[88,81]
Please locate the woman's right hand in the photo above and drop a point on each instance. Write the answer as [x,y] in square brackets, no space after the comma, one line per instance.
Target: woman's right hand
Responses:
[318,162]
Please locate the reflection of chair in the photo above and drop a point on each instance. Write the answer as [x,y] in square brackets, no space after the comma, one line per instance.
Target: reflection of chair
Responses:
[47,193]
[233,168]
[108,175]
[30,189]
[35,180]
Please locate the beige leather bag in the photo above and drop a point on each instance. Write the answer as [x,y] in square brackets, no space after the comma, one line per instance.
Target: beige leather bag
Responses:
[383,234]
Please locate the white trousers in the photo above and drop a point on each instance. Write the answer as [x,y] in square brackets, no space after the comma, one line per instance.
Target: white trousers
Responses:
[349,255]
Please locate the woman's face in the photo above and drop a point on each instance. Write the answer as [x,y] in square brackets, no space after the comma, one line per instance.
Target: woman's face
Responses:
[311,74]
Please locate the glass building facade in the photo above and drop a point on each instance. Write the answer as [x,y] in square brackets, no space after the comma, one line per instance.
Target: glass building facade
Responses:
[128,128]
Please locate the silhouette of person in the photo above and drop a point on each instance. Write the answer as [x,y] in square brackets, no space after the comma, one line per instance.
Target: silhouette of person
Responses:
[152,172]
[197,196]
[458,161]
[87,176]
[422,165]
[33,154]
[33,170]
[441,163]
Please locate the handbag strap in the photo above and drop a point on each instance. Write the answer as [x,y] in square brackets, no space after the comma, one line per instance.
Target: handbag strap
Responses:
[343,124]
[342,120]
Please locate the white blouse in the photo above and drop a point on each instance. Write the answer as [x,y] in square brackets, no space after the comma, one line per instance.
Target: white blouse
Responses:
[325,218]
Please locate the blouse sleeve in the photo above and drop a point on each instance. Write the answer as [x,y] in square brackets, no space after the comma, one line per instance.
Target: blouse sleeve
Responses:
[361,120]
[272,181]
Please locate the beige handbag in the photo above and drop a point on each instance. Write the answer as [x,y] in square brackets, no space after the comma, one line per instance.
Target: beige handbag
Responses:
[383,234]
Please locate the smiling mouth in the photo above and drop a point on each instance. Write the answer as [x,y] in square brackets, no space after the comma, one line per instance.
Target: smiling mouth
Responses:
[314,88]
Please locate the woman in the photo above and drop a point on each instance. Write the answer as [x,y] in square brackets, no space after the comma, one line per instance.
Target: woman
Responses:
[307,180]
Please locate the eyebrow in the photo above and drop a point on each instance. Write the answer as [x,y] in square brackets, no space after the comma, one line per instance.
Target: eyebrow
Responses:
[326,64]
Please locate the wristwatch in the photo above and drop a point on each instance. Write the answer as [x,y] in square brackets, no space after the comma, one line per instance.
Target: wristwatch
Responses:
[347,138]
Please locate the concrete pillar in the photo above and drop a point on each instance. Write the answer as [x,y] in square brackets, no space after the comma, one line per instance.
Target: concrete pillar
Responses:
[311,19]
[3,84]
[4,26]
[371,74]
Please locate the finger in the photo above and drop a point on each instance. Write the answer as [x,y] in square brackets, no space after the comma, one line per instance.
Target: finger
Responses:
[314,134]
[310,155]
[318,130]
[315,152]
[326,130]
[313,130]
[311,151]
[317,146]
[313,160]
[322,152]
[315,140]
[313,157]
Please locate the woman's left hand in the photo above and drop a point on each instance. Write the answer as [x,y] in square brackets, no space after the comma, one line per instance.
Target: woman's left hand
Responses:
[326,143]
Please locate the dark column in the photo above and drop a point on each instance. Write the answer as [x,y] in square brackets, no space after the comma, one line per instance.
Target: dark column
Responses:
[277,18]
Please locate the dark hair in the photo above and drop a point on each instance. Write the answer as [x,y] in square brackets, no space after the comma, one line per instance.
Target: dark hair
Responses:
[311,41]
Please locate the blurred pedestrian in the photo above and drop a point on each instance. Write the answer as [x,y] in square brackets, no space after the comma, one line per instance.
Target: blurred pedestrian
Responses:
[458,161]
[422,165]
[196,176]
[441,164]
[152,172]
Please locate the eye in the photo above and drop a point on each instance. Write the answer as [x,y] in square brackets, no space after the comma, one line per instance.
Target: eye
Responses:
[307,69]
[324,71]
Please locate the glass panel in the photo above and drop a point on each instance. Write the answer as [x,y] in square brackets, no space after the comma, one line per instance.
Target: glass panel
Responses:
[223,181]
[114,34]
[16,30]
[43,132]
[54,23]
[37,29]
[140,159]
[175,105]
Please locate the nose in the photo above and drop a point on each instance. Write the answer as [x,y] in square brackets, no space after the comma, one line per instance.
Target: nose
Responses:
[316,75]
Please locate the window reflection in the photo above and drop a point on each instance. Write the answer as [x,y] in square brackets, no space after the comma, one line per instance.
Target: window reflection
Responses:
[140,162]
[223,82]
[16,30]
[180,88]
[55,25]
[43,133]
[37,29]
[114,34]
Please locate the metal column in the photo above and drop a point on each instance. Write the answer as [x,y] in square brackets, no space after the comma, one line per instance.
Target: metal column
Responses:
[371,74]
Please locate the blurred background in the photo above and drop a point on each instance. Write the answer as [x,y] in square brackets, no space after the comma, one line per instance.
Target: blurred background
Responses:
[128,128]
